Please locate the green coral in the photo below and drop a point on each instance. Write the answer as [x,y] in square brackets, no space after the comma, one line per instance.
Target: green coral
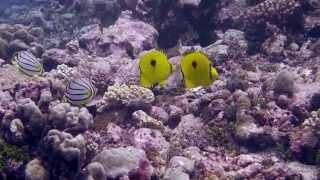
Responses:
[11,152]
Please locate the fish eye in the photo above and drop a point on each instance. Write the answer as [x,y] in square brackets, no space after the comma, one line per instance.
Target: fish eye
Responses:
[194,64]
[153,62]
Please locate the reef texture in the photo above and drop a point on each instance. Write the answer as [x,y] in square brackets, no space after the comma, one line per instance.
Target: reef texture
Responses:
[260,120]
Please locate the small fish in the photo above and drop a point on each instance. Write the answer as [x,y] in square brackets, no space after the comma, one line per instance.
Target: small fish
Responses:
[197,70]
[27,63]
[79,91]
[154,69]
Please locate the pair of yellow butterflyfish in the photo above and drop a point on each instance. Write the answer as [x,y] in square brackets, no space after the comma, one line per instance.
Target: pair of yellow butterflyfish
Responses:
[196,70]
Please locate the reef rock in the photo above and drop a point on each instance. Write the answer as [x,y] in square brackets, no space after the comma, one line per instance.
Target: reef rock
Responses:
[149,139]
[98,70]
[9,77]
[15,38]
[179,168]
[144,120]
[307,171]
[117,162]
[284,83]
[54,57]
[190,131]
[126,36]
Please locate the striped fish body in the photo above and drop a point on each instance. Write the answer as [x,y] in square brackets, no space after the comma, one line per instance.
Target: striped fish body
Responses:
[79,92]
[27,63]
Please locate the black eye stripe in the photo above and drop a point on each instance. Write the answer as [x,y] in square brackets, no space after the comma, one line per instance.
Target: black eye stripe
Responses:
[194,64]
[153,62]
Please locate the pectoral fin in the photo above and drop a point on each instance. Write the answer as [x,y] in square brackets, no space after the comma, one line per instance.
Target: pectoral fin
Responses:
[145,83]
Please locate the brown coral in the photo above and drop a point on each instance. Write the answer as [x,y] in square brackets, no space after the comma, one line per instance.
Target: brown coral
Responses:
[273,11]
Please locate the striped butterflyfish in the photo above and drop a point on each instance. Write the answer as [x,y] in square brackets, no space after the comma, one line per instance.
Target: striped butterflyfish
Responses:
[27,63]
[79,91]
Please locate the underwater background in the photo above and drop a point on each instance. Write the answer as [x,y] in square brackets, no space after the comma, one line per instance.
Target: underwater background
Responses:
[76,101]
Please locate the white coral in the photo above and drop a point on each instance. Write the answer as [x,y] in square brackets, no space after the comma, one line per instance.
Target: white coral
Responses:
[63,72]
[312,121]
[128,95]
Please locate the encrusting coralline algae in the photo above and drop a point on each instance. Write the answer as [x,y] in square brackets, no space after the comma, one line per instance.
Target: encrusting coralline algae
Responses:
[259,120]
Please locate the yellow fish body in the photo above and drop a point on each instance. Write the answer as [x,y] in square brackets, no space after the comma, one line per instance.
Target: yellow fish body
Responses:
[154,69]
[197,70]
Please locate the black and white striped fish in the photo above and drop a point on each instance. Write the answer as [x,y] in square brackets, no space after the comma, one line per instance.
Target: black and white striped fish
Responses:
[27,63]
[79,91]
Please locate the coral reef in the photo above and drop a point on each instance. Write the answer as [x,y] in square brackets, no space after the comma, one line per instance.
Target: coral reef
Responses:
[19,37]
[70,119]
[66,154]
[259,120]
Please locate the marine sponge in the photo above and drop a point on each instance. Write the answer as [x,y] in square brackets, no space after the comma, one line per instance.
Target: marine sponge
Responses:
[129,96]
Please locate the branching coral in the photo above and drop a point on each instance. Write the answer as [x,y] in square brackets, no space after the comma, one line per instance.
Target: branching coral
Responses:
[71,119]
[63,72]
[25,121]
[65,153]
